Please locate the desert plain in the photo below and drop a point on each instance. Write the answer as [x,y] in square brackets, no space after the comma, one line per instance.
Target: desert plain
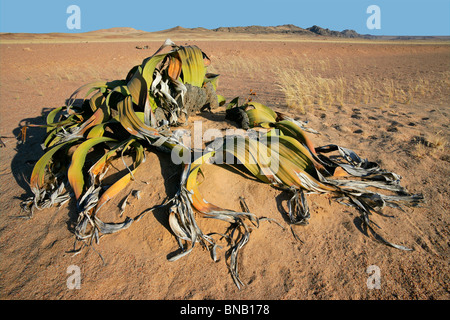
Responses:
[387,100]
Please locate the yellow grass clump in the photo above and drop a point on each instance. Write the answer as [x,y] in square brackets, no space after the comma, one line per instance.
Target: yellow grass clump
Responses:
[312,86]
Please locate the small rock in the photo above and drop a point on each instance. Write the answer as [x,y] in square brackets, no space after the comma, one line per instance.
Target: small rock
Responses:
[392,129]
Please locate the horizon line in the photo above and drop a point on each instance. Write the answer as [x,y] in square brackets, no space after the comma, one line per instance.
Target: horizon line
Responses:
[214,29]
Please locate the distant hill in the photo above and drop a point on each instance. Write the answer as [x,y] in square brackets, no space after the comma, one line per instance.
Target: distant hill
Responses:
[347,33]
[293,29]
[183,30]
[284,29]
[116,30]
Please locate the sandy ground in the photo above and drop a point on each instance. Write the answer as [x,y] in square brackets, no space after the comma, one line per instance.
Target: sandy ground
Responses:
[330,261]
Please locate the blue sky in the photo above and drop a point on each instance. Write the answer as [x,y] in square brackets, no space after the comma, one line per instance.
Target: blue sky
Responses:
[398,17]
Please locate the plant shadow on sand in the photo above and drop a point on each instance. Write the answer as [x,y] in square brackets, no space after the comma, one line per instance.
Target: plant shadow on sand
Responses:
[29,135]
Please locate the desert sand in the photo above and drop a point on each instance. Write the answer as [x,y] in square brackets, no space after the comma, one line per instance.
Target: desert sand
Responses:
[331,257]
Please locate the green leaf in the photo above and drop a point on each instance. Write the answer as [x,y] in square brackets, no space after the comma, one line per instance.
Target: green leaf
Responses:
[221,100]
[51,117]
[192,65]
[96,100]
[75,174]
[262,108]
[213,79]
[137,86]
[37,180]
[148,67]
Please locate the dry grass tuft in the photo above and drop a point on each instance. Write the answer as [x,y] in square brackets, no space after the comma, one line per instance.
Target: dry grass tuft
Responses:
[438,142]
[313,85]
[433,147]
[303,89]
